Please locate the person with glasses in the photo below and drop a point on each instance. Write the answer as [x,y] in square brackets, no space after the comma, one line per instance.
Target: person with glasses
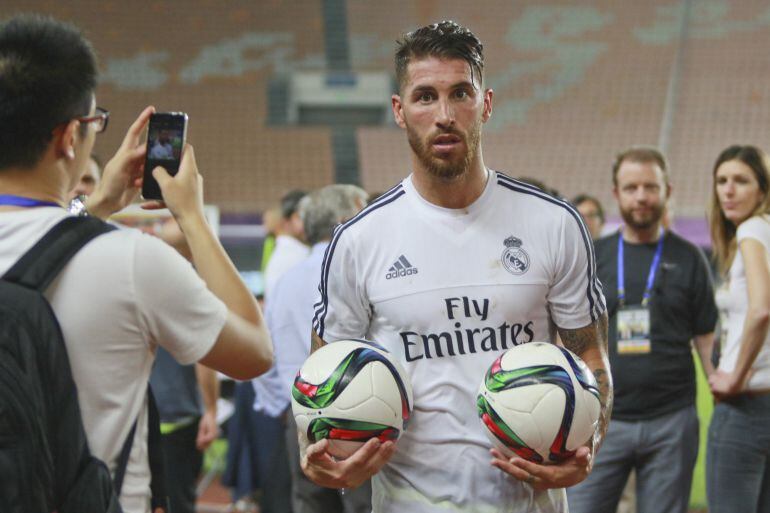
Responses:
[125,292]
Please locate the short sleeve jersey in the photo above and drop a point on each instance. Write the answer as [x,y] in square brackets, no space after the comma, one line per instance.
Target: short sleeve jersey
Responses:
[681,307]
[446,291]
[735,304]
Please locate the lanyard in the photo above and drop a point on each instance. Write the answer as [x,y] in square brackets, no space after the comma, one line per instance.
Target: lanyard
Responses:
[21,201]
[650,276]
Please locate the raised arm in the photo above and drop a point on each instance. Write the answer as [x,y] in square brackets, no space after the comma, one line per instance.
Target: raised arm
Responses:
[122,177]
[243,349]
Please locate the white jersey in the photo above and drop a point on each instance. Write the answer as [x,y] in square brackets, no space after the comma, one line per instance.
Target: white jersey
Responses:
[446,291]
[733,301]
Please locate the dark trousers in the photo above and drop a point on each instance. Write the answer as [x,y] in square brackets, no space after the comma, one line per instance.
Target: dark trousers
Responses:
[240,472]
[272,462]
[738,457]
[663,451]
[183,465]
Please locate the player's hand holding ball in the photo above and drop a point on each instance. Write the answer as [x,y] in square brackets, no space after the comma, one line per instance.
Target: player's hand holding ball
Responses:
[540,406]
[351,401]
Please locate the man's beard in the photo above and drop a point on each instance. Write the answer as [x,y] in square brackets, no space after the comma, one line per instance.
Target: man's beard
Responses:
[451,167]
[649,221]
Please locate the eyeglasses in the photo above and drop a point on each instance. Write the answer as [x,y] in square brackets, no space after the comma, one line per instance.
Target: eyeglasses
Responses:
[101,118]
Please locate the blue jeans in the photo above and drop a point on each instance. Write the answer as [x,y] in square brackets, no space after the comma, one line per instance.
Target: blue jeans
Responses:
[738,457]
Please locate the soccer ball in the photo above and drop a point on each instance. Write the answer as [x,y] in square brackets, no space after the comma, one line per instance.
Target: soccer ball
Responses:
[351,391]
[538,401]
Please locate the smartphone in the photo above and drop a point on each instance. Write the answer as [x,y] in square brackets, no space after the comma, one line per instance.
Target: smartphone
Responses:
[166,136]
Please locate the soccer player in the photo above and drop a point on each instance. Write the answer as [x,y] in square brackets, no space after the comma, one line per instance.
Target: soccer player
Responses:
[448,269]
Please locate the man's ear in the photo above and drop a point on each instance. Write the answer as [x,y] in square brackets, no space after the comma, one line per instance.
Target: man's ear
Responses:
[398,110]
[65,137]
[488,94]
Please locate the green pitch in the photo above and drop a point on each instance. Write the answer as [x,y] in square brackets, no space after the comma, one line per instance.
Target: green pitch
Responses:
[705,405]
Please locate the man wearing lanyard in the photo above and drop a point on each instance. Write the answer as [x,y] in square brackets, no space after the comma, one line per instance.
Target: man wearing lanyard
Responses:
[659,298]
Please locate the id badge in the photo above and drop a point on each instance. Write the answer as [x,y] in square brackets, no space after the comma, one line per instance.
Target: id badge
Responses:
[633,330]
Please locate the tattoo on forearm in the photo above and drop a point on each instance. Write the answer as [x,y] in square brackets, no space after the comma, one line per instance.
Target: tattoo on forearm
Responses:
[578,340]
[584,339]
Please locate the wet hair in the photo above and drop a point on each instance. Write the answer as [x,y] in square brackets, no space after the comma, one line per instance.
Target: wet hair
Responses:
[444,40]
[723,231]
[643,155]
[47,77]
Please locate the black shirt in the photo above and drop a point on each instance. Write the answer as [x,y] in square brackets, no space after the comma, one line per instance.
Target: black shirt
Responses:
[681,307]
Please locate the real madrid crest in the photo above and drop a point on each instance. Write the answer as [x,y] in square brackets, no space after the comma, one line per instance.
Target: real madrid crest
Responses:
[514,258]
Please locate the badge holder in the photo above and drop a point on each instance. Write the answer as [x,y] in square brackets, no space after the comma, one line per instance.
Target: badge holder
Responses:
[633,322]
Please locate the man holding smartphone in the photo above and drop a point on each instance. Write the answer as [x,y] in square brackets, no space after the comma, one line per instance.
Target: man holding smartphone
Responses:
[125,292]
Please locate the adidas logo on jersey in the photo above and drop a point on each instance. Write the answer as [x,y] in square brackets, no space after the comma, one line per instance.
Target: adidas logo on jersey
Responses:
[400,268]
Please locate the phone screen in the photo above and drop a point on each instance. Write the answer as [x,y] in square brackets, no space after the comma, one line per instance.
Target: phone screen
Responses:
[166,136]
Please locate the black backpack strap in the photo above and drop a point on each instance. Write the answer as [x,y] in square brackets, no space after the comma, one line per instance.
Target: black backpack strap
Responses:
[38,267]
[155,454]
[120,470]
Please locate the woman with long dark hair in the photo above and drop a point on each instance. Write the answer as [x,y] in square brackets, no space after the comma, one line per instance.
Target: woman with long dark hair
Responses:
[738,458]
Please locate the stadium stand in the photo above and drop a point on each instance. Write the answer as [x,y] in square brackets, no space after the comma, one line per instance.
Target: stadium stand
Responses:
[573,83]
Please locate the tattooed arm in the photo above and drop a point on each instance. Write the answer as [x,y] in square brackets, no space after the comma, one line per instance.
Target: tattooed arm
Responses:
[590,343]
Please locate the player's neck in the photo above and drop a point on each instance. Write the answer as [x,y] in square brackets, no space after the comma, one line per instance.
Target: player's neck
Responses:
[458,192]
[645,235]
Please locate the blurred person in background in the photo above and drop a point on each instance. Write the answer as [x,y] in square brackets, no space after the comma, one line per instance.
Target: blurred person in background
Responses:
[660,299]
[738,455]
[593,213]
[186,396]
[271,221]
[290,248]
[289,316]
[255,436]
[89,179]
